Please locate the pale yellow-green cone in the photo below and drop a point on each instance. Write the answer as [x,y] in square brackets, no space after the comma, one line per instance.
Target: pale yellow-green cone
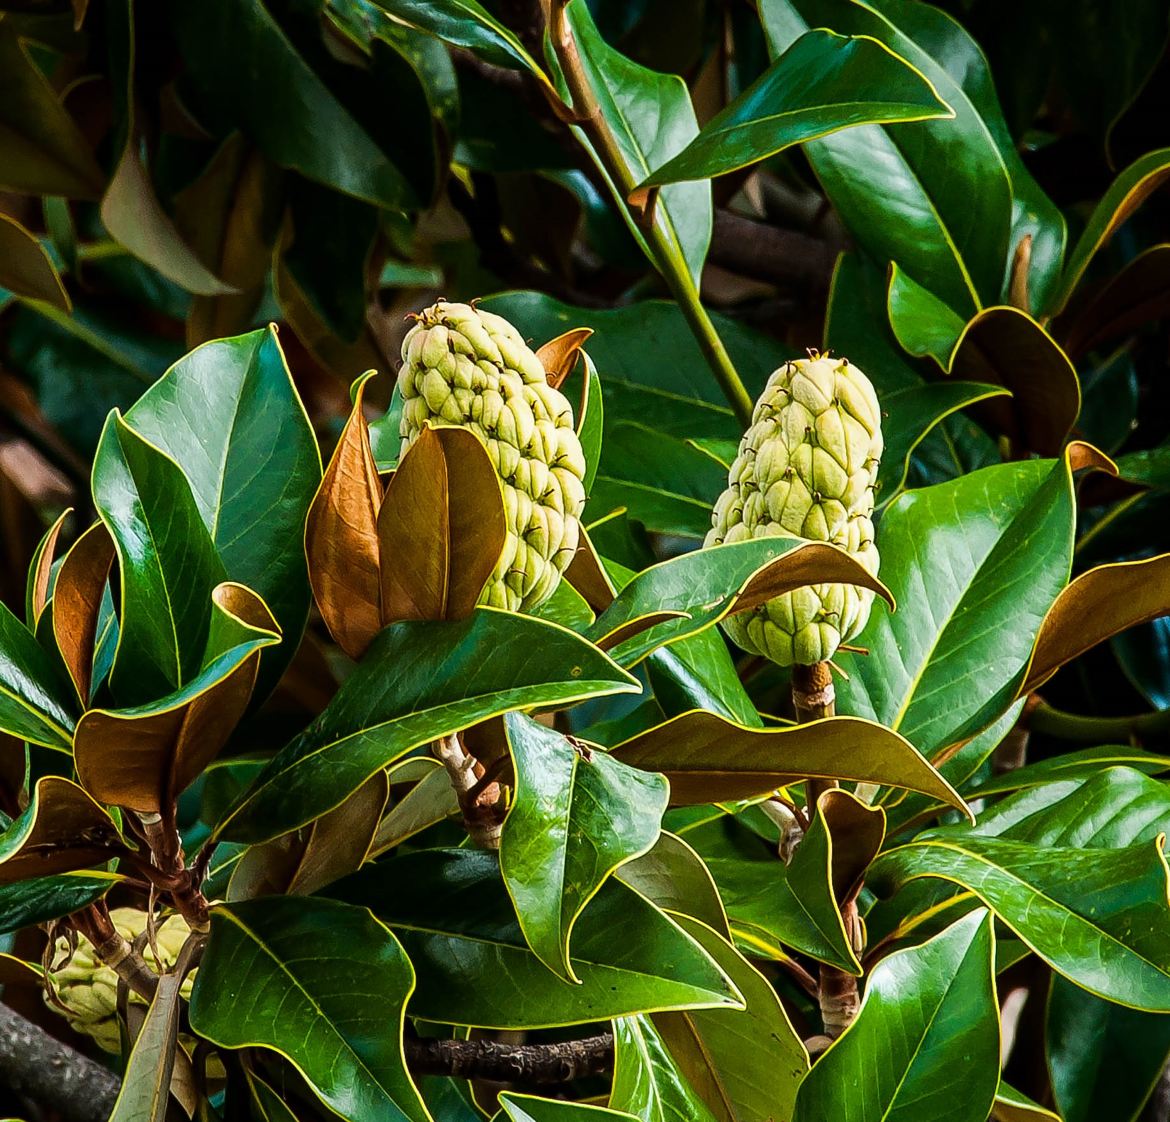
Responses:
[89,989]
[463,366]
[806,468]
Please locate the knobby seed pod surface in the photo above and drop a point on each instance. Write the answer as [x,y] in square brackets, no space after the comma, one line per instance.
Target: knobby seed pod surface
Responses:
[464,366]
[89,989]
[806,468]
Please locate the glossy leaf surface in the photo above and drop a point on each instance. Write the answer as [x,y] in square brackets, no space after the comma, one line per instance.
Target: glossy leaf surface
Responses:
[289,964]
[577,815]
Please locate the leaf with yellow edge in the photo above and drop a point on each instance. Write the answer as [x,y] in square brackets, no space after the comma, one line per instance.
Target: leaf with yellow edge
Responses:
[145,756]
[710,759]
[341,536]
[40,571]
[62,830]
[145,1092]
[77,603]
[698,589]
[558,356]
[441,528]
[1096,606]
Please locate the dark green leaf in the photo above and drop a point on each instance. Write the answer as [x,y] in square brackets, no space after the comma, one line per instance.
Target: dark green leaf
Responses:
[35,703]
[231,418]
[577,815]
[822,83]
[930,1013]
[646,1082]
[167,561]
[290,965]
[452,912]
[419,681]
[41,899]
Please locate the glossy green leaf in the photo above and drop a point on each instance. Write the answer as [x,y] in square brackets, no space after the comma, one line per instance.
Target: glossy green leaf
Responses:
[646,1082]
[591,421]
[651,119]
[25,268]
[529,1108]
[229,415]
[709,759]
[922,323]
[290,966]
[974,564]
[746,1063]
[35,703]
[146,1086]
[1099,917]
[948,200]
[40,899]
[1103,1059]
[452,912]
[1108,809]
[822,83]
[1083,763]
[577,815]
[167,562]
[701,587]
[465,23]
[43,150]
[698,672]
[673,877]
[247,68]
[930,1013]
[1127,192]
[417,682]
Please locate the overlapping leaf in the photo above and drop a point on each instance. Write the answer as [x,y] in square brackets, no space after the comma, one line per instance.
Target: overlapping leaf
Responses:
[454,917]
[420,680]
[646,1081]
[577,815]
[35,704]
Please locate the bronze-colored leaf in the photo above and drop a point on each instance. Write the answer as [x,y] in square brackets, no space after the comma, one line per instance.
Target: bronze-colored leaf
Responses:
[143,758]
[588,576]
[558,356]
[857,831]
[1098,605]
[441,528]
[62,830]
[1006,347]
[341,537]
[811,563]
[710,759]
[77,602]
[42,570]
[299,863]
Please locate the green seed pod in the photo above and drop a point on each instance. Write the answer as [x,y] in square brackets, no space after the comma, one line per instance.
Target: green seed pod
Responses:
[89,989]
[463,366]
[806,468]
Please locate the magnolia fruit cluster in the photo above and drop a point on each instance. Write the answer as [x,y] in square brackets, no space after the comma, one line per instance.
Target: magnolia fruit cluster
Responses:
[463,366]
[806,468]
[88,989]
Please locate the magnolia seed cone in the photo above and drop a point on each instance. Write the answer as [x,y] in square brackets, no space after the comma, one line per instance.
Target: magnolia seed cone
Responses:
[806,468]
[463,366]
[89,989]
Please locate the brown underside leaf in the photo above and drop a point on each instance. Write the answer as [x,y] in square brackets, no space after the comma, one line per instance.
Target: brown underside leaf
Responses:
[68,831]
[857,831]
[710,759]
[558,356]
[441,528]
[77,601]
[44,568]
[144,758]
[1096,606]
[341,537]
[588,576]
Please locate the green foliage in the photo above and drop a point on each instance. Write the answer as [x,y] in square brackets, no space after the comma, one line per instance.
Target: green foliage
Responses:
[589,850]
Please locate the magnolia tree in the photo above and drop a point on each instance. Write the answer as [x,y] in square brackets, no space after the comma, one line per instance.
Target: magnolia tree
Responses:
[606,710]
